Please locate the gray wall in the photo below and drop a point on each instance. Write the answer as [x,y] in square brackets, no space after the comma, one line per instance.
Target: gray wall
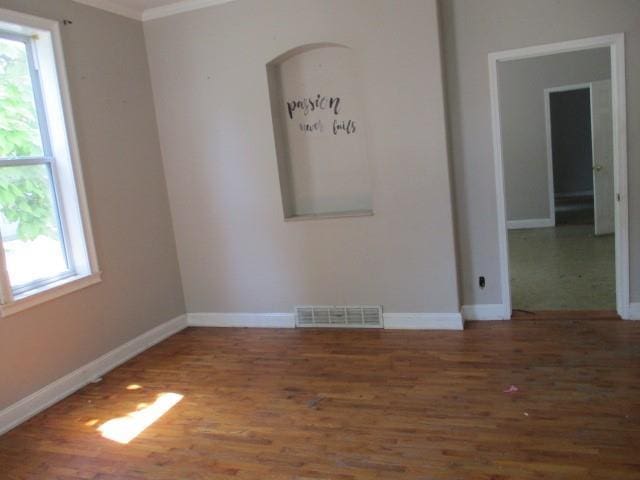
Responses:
[473,29]
[570,114]
[120,154]
[524,138]
[236,253]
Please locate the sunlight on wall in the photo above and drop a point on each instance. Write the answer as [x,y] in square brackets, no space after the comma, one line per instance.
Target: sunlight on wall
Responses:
[125,429]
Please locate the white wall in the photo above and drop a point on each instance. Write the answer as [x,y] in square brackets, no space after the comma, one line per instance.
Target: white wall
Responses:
[236,253]
[473,29]
[522,114]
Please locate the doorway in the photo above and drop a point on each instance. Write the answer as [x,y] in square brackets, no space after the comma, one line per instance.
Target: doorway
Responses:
[579,134]
[576,207]
[569,263]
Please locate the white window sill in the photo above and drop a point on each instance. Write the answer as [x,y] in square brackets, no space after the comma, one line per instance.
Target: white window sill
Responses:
[50,292]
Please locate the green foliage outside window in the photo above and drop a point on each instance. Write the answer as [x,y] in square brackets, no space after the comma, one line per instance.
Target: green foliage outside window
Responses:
[25,198]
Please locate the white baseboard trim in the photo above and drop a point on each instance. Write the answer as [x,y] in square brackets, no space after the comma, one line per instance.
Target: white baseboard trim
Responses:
[634,311]
[484,312]
[246,320]
[29,406]
[401,321]
[531,223]
[423,321]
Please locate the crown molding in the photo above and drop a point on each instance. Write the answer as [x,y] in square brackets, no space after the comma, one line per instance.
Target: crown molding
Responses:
[175,8]
[179,7]
[113,7]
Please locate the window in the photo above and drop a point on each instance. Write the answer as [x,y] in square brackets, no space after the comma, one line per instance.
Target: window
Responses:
[47,247]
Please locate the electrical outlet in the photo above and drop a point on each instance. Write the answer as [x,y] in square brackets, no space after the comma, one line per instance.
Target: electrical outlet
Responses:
[481,282]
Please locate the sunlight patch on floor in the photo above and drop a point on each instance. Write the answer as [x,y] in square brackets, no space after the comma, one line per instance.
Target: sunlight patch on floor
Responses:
[125,429]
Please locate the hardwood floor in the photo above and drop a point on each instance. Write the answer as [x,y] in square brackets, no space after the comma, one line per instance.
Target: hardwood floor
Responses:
[337,404]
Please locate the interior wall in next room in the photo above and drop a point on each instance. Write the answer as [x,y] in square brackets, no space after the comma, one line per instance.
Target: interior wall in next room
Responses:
[523,122]
[236,252]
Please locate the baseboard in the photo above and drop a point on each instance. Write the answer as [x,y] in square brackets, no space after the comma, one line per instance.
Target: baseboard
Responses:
[634,311]
[29,406]
[483,312]
[583,193]
[246,320]
[531,223]
[423,321]
[401,321]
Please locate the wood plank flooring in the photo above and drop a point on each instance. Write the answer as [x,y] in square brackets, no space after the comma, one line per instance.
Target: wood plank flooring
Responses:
[329,404]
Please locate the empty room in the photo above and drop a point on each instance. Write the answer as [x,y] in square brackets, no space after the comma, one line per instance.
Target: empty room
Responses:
[319,239]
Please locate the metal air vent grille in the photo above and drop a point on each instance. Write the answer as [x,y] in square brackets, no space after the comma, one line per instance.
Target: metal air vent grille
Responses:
[352,316]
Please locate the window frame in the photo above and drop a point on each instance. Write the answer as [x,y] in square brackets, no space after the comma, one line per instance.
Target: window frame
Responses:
[61,155]
[47,159]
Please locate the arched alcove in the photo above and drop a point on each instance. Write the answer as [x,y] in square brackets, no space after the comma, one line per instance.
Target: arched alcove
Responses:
[316,105]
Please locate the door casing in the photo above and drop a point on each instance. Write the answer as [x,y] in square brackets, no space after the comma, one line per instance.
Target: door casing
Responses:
[615,43]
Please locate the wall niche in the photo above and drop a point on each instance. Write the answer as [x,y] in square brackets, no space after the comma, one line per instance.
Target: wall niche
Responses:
[316,105]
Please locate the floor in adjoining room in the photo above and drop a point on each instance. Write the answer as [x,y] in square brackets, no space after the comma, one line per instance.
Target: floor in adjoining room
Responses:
[562,268]
[501,400]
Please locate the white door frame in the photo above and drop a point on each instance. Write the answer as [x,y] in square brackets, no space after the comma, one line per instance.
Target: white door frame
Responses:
[547,121]
[615,43]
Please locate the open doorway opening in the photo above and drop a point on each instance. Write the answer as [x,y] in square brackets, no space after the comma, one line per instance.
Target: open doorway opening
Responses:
[571,154]
[559,138]
[579,133]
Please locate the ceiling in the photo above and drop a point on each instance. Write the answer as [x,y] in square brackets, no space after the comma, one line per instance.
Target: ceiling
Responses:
[150,9]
